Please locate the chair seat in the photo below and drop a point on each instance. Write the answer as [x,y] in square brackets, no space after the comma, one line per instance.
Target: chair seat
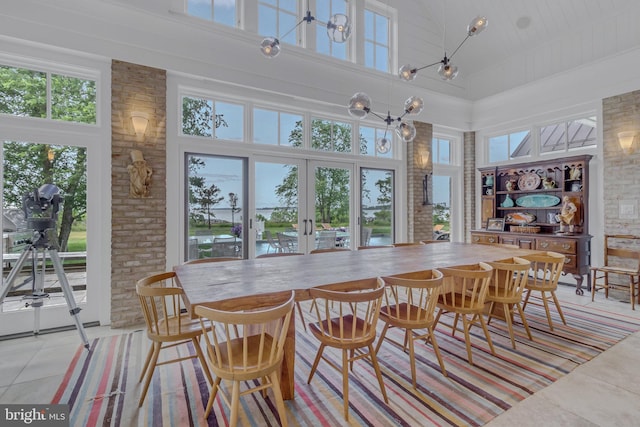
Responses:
[540,286]
[454,302]
[256,364]
[405,315]
[618,270]
[351,335]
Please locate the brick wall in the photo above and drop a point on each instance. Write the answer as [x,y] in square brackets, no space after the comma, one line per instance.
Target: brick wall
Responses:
[621,178]
[469,167]
[138,235]
[419,216]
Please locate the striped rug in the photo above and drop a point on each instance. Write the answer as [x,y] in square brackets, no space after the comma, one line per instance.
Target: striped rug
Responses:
[102,387]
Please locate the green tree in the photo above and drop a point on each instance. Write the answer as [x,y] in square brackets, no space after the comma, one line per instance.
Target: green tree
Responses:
[198,118]
[206,198]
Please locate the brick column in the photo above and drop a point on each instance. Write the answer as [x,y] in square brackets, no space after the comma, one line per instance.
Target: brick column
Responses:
[138,225]
[419,216]
[469,170]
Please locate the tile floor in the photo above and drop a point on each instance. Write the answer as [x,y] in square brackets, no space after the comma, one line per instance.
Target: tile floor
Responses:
[602,392]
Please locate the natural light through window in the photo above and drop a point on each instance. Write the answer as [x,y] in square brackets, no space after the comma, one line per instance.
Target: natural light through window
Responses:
[219,11]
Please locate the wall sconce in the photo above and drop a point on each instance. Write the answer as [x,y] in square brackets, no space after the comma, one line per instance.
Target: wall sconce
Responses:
[423,159]
[625,139]
[140,122]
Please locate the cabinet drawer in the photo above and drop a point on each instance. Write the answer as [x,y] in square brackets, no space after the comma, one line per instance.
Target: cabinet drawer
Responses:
[557,245]
[570,261]
[484,238]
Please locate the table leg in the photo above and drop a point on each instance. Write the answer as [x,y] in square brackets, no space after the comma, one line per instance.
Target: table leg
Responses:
[287,383]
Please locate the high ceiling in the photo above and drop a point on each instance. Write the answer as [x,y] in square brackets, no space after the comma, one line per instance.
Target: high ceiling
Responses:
[557,34]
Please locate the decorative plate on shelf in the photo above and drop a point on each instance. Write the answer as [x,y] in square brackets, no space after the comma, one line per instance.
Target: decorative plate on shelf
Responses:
[529,181]
[537,201]
[520,218]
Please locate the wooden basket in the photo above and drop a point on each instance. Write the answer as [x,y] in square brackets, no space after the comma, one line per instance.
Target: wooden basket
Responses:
[524,229]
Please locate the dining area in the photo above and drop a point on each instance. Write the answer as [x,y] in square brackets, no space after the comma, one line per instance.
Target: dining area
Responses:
[397,323]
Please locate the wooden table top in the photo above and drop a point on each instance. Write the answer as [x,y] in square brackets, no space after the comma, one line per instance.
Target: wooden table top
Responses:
[219,281]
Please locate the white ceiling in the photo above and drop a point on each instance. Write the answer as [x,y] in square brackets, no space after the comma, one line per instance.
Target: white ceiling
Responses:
[549,36]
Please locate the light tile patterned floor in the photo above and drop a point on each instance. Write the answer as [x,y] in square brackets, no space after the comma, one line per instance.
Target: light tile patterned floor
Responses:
[602,392]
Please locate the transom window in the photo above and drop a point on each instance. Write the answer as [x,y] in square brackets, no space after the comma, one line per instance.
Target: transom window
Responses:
[219,11]
[368,138]
[212,119]
[566,135]
[277,128]
[329,135]
[32,93]
[441,151]
[509,146]
[377,41]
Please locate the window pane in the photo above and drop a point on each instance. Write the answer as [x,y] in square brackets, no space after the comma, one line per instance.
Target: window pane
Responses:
[267,22]
[73,99]
[441,200]
[552,137]
[23,92]
[200,9]
[323,44]
[382,30]
[197,117]
[265,127]
[323,10]
[499,148]
[582,132]
[288,5]
[290,129]
[382,58]
[368,25]
[224,12]
[342,137]
[368,54]
[520,143]
[442,149]
[377,207]
[288,22]
[232,114]
[381,133]
[368,141]
[338,50]
[321,134]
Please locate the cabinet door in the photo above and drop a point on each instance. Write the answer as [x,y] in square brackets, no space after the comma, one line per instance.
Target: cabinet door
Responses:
[487,209]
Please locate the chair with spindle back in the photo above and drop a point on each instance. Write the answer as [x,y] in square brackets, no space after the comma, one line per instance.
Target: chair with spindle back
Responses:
[621,260]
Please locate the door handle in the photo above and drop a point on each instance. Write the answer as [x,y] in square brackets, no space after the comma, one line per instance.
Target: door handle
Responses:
[305,227]
[311,225]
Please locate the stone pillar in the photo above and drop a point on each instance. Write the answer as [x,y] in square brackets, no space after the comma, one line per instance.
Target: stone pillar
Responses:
[469,150]
[419,165]
[138,224]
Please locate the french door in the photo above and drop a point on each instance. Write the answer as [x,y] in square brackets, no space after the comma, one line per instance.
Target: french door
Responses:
[302,205]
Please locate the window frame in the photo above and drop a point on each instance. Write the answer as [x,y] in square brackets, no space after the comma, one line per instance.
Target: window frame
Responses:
[392,15]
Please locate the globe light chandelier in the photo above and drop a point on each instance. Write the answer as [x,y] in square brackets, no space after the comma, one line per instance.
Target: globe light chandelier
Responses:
[338,31]
[446,70]
[360,106]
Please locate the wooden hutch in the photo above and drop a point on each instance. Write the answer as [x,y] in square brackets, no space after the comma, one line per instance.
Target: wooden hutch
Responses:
[522,202]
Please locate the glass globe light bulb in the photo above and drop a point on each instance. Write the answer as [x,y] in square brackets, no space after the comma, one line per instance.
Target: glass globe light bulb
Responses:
[448,71]
[270,47]
[383,145]
[359,105]
[414,105]
[477,25]
[407,73]
[406,131]
[339,28]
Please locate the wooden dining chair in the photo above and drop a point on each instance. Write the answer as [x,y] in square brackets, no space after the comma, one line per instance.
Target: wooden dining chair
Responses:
[160,300]
[347,314]
[328,250]
[399,245]
[410,303]
[545,271]
[245,341]
[621,264]
[506,288]
[464,293]
[208,260]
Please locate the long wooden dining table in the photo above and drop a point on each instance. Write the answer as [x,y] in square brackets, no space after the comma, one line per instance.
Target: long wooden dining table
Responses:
[221,281]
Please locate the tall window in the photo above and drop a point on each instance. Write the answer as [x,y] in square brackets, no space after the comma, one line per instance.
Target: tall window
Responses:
[212,119]
[276,128]
[219,11]
[325,9]
[509,146]
[566,135]
[277,18]
[46,95]
[376,41]
[376,204]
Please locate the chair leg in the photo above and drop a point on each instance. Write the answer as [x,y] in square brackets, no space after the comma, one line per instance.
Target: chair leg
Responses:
[203,360]
[382,335]
[491,305]
[486,333]
[455,323]
[524,320]
[376,367]
[315,362]
[526,299]
[555,300]
[235,404]
[467,338]
[304,324]
[212,396]
[345,383]
[412,361]
[146,363]
[277,394]
[436,350]
[593,285]
[546,308]
[150,370]
[507,316]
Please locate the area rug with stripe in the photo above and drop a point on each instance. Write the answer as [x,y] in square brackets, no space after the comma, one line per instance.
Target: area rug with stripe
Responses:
[101,385]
